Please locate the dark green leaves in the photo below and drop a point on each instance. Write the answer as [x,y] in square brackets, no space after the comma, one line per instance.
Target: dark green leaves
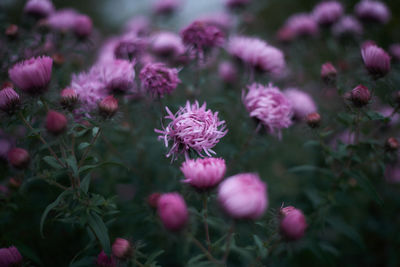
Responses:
[99,229]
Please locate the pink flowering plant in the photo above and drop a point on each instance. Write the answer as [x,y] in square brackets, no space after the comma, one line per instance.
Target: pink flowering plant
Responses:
[258,133]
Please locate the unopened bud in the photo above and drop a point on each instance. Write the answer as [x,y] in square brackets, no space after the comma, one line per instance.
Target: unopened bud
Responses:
[69,98]
[293,223]
[152,200]
[19,158]
[313,120]
[58,59]
[9,100]
[328,73]
[121,248]
[56,123]
[12,31]
[108,106]
[392,144]
[360,96]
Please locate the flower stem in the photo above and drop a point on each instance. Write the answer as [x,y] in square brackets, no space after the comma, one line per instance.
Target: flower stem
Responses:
[205,221]
[205,251]
[88,148]
[228,243]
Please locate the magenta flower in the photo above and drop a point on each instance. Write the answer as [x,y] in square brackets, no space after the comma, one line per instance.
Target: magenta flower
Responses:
[302,103]
[10,257]
[159,80]
[203,173]
[257,54]
[33,75]
[243,196]
[105,261]
[121,248]
[9,100]
[166,7]
[227,72]
[130,47]
[327,12]
[394,51]
[39,8]
[376,60]
[173,212]
[374,11]
[347,26]
[117,75]
[302,24]
[269,106]
[293,223]
[83,26]
[56,122]
[63,19]
[168,44]
[192,128]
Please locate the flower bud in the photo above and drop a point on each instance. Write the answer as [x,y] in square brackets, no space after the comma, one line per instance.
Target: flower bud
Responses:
[6,84]
[108,106]
[152,199]
[105,261]
[122,248]
[14,182]
[19,158]
[203,173]
[9,100]
[173,212]
[68,98]
[10,257]
[293,223]
[83,26]
[56,123]
[58,59]
[392,144]
[12,31]
[328,73]
[360,96]
[313,120]
[376,60]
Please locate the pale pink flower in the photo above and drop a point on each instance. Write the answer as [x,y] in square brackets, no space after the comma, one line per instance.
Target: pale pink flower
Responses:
[376,60]
[293,223]
[83,26]
[130,46]
[347,26]
[167,44]
[302,103]
[243,196]
[374,11]
[39,8]
[302,24]
[63,19]
[203,173]
[227,72]
[269,106]
[327,12]
[193,127]
[158,79]
[117,75]
[173,212]
[139,26]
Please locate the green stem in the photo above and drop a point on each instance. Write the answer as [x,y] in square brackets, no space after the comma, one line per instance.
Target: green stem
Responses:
[205,221]
[228,243]
[85,154]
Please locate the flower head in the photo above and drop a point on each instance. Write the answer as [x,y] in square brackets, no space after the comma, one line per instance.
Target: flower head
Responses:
[63,19]
[193,127]
[376,60]
[10,257]
[203,173]
[327,12]
[117,75]
[39,8]
[158,79]
[83,26]
[302,24]
[269,106]
[243,196]
[360,96]
[9,100]
[129,47]
[19,158]
[167,44]
[172,209]
[103,260]
[371,10]
[302,103]
[293,223]
[33,75]
[347,26]
[68,98]
[257,54]
[328,73]
[121,248]
[108,106]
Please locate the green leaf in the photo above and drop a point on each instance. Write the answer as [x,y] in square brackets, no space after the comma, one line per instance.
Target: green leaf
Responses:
[310,168]
[100,230]
[374,116]
[52,162]
[73,164]
[366,185]
[91,167]
[260,245]
[83,145]
[85,183]
[50,207]
[95,130]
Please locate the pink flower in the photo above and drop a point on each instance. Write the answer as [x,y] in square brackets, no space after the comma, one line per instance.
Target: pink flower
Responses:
[360,96]
[168,44]
[56,123]
[117,75]
[108,106]
[19,158]
[243,196]
[269,106]
[376,60]
[328,73]
[39,8]
[257,54]
[302,103]
[293,223]
[105,261]
[130,47]
[166,7]
[159,80]
[121,248]
[9,100]
[347,26]
[302,24]
[10,257]
[327,12]
[203,173]
[138,25]
[192,128]
[33,75]
[394,51]
[63,19]
[233,4]
[374,11]
[68,98]
[83,26]
[227,72]
[172,209]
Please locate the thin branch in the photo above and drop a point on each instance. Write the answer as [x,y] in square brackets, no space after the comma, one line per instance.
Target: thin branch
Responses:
[228,243]
[89,148]
[205,221]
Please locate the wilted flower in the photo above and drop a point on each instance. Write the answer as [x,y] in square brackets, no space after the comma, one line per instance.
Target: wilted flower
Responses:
[33,75]
[172,209]
[192,127]
[167,44]
[56,122]
[108,106]
[302,103]
[166,7]
[234,4]
[121,248]
[328,73]
[360,96]
[10,257]
[227,72]
[9,100]
[376,60]
[203,173]
[394,51]
[269,106]
[327,12]
[347,26]
[374,11]
[39,8]
[105,261]
[257,54]
[302,24]
[158,79]
[293,223]
[243,196]
[19,158]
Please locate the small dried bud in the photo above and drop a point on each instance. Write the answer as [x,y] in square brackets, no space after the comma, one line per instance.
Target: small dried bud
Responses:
[12,31]
[313,120]
[19,158]
[56,123]
[108,106]
[360,96]
[152,200]
[328,73]
[9,100]
[58,59]
[392,144]
[69,98]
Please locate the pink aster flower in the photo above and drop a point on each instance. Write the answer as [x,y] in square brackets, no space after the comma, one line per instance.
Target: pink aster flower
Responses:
[293,223]
[166,7]
[302,24]
[269,106]
[103,260]
[130,47]
[9,100]
[327,12]
[376,60]
[302,103]
[117,75]
[227,72]
[243,196]
[257,54]
[83,26]
[167,44]
[374,11]
[347,26]
[159,80]
[33,75]
[193,127]
[139,26]
[10,257]
[173,212]
[122,248]
[394,51]
[39,8]
[63,19]
[203,173]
